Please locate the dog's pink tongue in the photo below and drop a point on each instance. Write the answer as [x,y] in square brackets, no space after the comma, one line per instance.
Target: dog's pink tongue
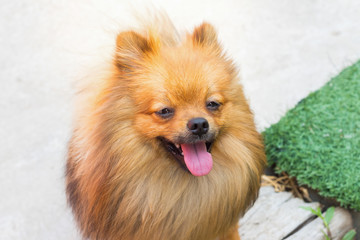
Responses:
[197,159]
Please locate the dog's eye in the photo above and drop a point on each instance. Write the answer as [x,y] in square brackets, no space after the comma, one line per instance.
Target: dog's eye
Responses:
[165,113]
[212,105]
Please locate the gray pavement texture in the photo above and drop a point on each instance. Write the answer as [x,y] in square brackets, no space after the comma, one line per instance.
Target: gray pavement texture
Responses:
[284,49]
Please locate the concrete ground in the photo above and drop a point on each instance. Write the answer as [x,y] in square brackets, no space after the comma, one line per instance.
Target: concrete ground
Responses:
[285,49]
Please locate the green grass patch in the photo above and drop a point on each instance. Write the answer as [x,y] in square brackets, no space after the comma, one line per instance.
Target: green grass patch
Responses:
[318,141]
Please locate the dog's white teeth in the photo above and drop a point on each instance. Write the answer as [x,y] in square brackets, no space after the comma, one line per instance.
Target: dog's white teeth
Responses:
[177,145]
[182,154]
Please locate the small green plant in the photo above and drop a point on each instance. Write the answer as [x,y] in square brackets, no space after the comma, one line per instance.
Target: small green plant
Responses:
[329,214]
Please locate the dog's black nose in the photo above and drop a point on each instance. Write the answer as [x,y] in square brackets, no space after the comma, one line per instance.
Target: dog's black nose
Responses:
[198,126]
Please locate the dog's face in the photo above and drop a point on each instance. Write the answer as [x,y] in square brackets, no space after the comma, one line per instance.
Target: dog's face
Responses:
[181,93]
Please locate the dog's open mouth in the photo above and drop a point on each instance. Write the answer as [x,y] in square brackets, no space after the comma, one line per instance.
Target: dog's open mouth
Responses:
[194,157]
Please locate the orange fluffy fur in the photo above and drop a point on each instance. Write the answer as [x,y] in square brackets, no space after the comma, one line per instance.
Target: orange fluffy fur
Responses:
[121,181]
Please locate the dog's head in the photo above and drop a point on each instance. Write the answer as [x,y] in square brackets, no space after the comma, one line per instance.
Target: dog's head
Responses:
[183,92]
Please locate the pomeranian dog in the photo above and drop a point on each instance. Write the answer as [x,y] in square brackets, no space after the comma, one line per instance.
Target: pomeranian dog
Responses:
[165,148]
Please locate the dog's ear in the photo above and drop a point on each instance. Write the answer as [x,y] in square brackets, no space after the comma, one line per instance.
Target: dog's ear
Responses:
[205,35]
[131,48]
